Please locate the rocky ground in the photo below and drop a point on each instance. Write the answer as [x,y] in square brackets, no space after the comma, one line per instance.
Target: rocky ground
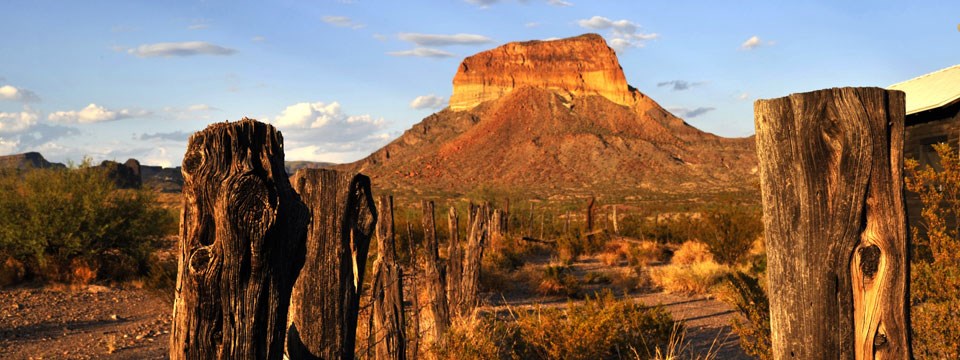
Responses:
[92,322]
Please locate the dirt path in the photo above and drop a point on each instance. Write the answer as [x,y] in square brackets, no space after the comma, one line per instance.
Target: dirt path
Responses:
[87,323]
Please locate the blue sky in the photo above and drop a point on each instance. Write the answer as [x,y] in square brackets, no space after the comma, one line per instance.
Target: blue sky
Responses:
[120,79]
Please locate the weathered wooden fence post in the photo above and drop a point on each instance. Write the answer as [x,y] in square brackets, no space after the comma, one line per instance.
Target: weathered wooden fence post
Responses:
[831,174]
[454,263]
[389,330]
[436,319]
[241,240]
[473,257]
[326,297]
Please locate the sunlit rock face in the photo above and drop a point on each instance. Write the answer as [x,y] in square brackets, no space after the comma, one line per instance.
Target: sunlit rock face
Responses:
[581,65]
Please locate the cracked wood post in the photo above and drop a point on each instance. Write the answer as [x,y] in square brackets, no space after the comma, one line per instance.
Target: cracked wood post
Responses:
[414,347]
[389,329]
[477,231]
[831,174]
[454,263]
[241,238]
[325,302]
[436,318]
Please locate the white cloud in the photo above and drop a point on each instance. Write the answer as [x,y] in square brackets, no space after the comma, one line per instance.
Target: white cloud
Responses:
[9,92]
[321,131]
[198,27]
[188,48]
[201,107]
[444,40]
[422,52]
[680,85]
[691,113]
[94,113]
[559,3]
[428,102]
[16,122]
[623,32]
[531,24]
[258,38]
[342,21]
[754,42]
[743,96]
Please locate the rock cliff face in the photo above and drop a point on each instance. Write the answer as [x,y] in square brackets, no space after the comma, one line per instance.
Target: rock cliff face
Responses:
[30,160]
[556,117]
[582,65]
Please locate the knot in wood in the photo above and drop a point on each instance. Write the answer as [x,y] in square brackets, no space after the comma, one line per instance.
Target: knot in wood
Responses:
[869,261]
[200,259]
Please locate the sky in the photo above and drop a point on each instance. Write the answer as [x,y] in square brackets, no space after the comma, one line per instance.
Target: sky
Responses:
[112,80]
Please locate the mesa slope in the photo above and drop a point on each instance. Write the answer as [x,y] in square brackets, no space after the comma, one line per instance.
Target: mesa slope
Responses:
[551,117]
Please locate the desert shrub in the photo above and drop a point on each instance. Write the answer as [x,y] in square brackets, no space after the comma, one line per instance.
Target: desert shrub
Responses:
[935,257]
[691,271]
[65,225]
[614,252]
[698,278]
[569,248]
[162,277]
[692,252]
[479,337]
[730,230]
[602,327]
[504,259]
[645,253]
[749,298]
[558,280]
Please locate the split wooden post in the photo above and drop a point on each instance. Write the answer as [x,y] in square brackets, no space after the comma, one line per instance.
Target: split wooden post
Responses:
[241,240]
[831,174]
[436,318]
[473,257]
[454,263]
[326,297]
[389,330]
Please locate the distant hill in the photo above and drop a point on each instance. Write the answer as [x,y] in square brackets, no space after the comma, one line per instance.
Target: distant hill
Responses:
[293,166]
[30,160]
[556,117]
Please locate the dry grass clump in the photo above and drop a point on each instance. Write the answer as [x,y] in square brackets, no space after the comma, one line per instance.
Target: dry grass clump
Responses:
[614,252]
[558,280]
[697,278]
[602,327]
[692,271]
[692,252]
[645,253]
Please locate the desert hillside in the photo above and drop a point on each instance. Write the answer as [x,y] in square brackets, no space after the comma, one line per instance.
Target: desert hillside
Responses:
[552,116]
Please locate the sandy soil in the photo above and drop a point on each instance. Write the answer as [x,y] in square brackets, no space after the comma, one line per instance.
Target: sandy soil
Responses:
[92,322]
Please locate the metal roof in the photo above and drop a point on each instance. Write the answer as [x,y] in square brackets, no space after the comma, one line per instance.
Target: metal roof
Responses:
[930,91]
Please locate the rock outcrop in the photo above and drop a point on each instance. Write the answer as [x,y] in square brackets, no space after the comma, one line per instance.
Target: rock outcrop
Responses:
[557,118]
[30,160]
[582,65]
[126,175]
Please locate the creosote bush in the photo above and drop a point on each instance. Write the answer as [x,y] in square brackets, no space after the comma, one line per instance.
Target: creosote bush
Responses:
[935,257]
[730,230]
[73,225]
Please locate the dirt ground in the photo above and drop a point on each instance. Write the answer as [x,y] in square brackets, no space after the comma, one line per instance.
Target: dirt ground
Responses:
[92,322]
[97,322]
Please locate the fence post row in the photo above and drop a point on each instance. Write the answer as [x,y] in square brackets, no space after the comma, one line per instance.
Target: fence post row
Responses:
[241,245]
[831,165]
[325,302]
[388,335]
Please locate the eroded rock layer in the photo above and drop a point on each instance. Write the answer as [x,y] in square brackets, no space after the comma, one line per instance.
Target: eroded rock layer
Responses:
[581,65]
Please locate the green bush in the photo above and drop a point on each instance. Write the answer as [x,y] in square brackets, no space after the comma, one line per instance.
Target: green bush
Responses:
[730,230]
[935,257]
[63,222]
[745,293]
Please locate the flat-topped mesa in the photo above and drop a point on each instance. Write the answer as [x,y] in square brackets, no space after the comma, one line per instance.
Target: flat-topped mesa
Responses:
[581,65]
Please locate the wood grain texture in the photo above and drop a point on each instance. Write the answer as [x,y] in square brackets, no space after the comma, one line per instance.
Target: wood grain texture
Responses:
[436,315]
[477,234]
[454,263]
[326,296]
[831,175]
[388,338]
[241,240]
